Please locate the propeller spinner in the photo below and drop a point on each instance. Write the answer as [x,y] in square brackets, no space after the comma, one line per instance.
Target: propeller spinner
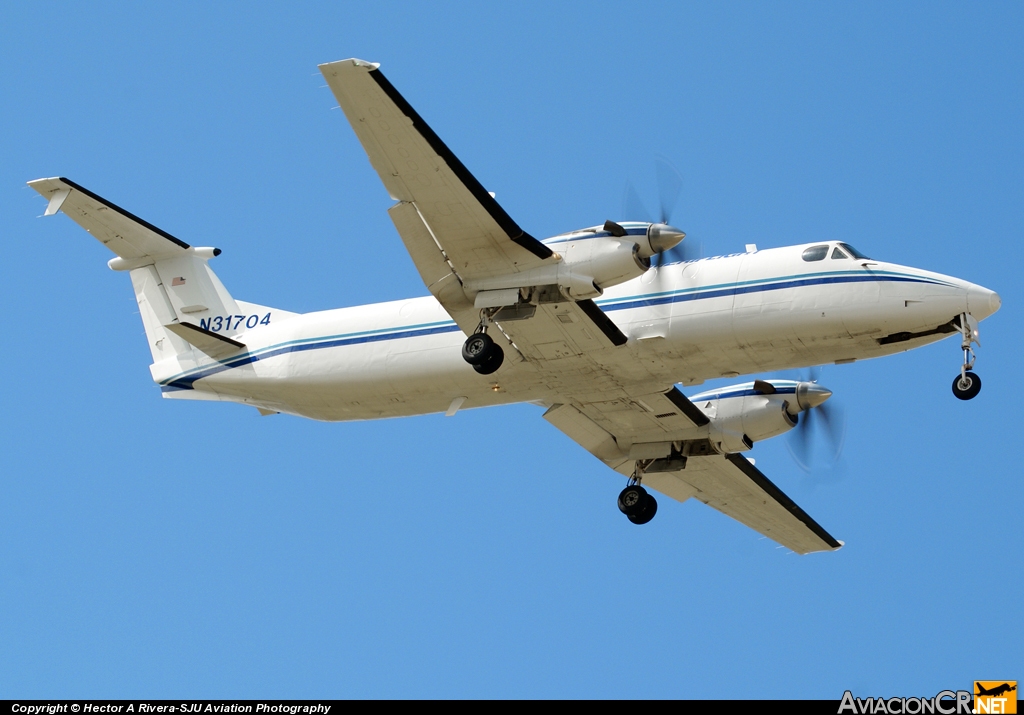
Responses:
[816,419]
[660,237]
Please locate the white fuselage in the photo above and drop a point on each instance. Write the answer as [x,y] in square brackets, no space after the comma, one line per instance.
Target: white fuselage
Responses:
[747,313]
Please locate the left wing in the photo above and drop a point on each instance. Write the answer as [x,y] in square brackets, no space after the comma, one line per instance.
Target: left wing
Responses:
[459,216]
[453,228]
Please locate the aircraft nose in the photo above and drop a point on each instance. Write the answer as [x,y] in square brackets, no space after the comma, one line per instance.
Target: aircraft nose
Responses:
[982,302]
[811,394]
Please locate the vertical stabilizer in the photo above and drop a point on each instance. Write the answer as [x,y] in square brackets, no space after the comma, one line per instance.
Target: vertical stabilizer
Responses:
[174,284]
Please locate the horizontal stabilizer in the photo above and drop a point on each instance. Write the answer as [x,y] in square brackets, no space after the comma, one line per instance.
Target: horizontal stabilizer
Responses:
[214,345]
[124,233]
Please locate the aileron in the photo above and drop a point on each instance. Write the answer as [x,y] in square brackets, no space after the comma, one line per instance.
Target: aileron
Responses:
[475,188]
[735,487]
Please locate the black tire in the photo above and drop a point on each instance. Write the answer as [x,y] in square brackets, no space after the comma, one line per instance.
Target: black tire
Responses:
[633,500]
[970,389]
[476,348]
[493,361]
[649,511]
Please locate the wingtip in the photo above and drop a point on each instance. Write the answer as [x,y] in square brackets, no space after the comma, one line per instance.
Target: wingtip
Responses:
[36,182]
[354,61]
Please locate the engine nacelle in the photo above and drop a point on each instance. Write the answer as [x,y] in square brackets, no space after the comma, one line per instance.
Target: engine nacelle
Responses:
[743,414]
[589,261]
[606,261]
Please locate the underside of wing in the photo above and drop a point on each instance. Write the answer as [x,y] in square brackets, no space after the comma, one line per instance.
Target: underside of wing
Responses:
[666,436]
[553,331]
[458,236]
[734,486]
[459,218]
[623,428]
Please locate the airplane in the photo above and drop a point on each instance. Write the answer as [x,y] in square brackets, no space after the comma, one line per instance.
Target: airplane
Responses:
[599,326]
[996,691]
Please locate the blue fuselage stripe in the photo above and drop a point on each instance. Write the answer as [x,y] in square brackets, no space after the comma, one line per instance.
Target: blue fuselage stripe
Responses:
[742,289]
[186,382]
[750,392]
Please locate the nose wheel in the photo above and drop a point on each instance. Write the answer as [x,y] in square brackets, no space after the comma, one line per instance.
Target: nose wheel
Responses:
[634,501]
[967,385]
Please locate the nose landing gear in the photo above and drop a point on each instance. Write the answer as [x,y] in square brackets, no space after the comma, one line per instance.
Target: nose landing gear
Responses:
[634,501]
[967,385]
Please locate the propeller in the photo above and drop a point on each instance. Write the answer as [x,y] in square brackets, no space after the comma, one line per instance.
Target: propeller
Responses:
[819,424]
[670,188]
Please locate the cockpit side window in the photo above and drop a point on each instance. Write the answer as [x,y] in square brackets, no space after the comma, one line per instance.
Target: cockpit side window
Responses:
[836,253]
[854,252]
[815,253]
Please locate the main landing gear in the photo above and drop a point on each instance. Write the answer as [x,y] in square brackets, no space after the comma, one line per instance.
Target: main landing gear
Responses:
[634,501]
[967,385]
[481,351]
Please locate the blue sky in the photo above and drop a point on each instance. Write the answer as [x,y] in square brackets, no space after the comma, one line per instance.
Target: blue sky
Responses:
[151,548]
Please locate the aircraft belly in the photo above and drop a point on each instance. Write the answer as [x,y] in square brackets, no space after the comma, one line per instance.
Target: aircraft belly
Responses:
[371,380]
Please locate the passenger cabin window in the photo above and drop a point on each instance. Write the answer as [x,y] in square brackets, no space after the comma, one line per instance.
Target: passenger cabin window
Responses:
[836,253]
[815,253]
[853,252]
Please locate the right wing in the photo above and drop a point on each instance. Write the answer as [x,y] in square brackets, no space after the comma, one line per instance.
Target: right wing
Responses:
[621,432]
[734,486]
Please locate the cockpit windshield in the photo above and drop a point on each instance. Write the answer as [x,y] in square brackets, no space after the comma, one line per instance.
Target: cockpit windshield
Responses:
[818,253]
[854,252]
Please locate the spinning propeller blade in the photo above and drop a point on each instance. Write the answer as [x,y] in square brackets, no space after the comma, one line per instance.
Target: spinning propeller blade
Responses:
[670,188]
[633,208]
[817,420]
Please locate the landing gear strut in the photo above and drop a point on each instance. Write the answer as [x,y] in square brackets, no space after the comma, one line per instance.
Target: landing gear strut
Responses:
[481,351]
[634,501]
[967,385]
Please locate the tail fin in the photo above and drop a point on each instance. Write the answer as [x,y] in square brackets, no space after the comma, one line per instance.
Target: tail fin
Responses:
[184,305]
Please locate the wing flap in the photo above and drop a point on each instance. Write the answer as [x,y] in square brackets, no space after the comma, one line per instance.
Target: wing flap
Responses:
[556,331]
[648,418]
[585,432]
